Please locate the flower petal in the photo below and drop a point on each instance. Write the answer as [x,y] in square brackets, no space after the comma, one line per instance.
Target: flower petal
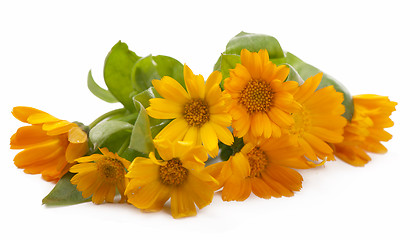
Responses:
[170,89]
[194,83]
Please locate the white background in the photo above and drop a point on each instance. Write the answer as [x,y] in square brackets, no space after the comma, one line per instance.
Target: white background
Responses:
[48,47]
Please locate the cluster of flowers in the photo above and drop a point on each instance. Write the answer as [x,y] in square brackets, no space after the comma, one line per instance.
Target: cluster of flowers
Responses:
[268,126]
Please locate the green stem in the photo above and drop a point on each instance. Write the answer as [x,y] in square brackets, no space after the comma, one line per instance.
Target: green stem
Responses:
[105,116]
[124,146]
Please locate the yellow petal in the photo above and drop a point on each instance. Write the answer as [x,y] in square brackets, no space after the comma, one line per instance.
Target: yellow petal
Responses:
[213,80]
[191,135]
[170,89]
[209,138]
[28,136]
[240,165]
[161,108]
[223,133]
[22,113]
[164,148]
[182,203]
[77,135]
[39,118]
[76,150]
[175,130]
[194,83]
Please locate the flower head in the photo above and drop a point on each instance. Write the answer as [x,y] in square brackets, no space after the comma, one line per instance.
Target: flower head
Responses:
[366,130]
[178,175]
[319,121]
[50,144]
[261,100]
[199,114]
[264,168]
[98,175]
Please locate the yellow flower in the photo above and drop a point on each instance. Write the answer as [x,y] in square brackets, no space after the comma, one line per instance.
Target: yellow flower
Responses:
[366,129]
[319,122]
[264,168]
[50,144]
[200,115]
[178,176]
[261,100]
[98,175]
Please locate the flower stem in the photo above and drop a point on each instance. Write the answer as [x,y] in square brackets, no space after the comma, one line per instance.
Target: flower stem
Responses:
[105,116]
[124,146]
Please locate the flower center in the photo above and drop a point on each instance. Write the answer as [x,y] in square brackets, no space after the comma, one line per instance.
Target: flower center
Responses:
[257,96]
[257,161]
[173,173]
[196,112]
[302,122]
[111,170]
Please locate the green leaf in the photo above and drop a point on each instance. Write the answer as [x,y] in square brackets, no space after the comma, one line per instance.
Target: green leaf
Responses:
[167,66]
[99,92]
[294,75]
[228,62]
[144,97]
[142,101]
[117,74]
[254,42]
[157,125]
[155,67]
[101,133]
[218,65]
[141,136]
[64,193]
[144,71]
[306,70]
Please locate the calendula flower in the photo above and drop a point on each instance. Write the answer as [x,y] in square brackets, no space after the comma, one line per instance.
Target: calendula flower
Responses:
[99,175]
[178,176]
[366,130]
[261,100]
[50,144]
[199,114]
[319,121]
[264,168]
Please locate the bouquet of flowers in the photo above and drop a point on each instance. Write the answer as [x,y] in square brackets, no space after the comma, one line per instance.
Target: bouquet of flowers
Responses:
[262,114]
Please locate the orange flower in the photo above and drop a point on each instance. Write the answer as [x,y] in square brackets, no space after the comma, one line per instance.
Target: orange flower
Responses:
[261,100]
[319,121]
[366,130]
[98,175]
[178,176]
[50,144]
[264,168]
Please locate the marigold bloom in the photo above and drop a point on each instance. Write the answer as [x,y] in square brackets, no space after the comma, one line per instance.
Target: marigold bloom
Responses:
[200,115]
[319,121]
[179,176]
[50,144]
[264,168]
[261,100]
[98,175]
[366,130]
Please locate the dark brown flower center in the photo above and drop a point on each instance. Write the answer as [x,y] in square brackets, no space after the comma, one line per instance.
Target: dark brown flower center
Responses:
[196,112]
[111,170]
[257,161]
[257,96]
[173,173]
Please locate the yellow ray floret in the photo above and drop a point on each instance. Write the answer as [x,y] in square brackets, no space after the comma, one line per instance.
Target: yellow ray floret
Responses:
[261,99]
[366,131]
[265,168]
[50,144]
[319,122]
[99,175]
[178,176]
[200,114]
